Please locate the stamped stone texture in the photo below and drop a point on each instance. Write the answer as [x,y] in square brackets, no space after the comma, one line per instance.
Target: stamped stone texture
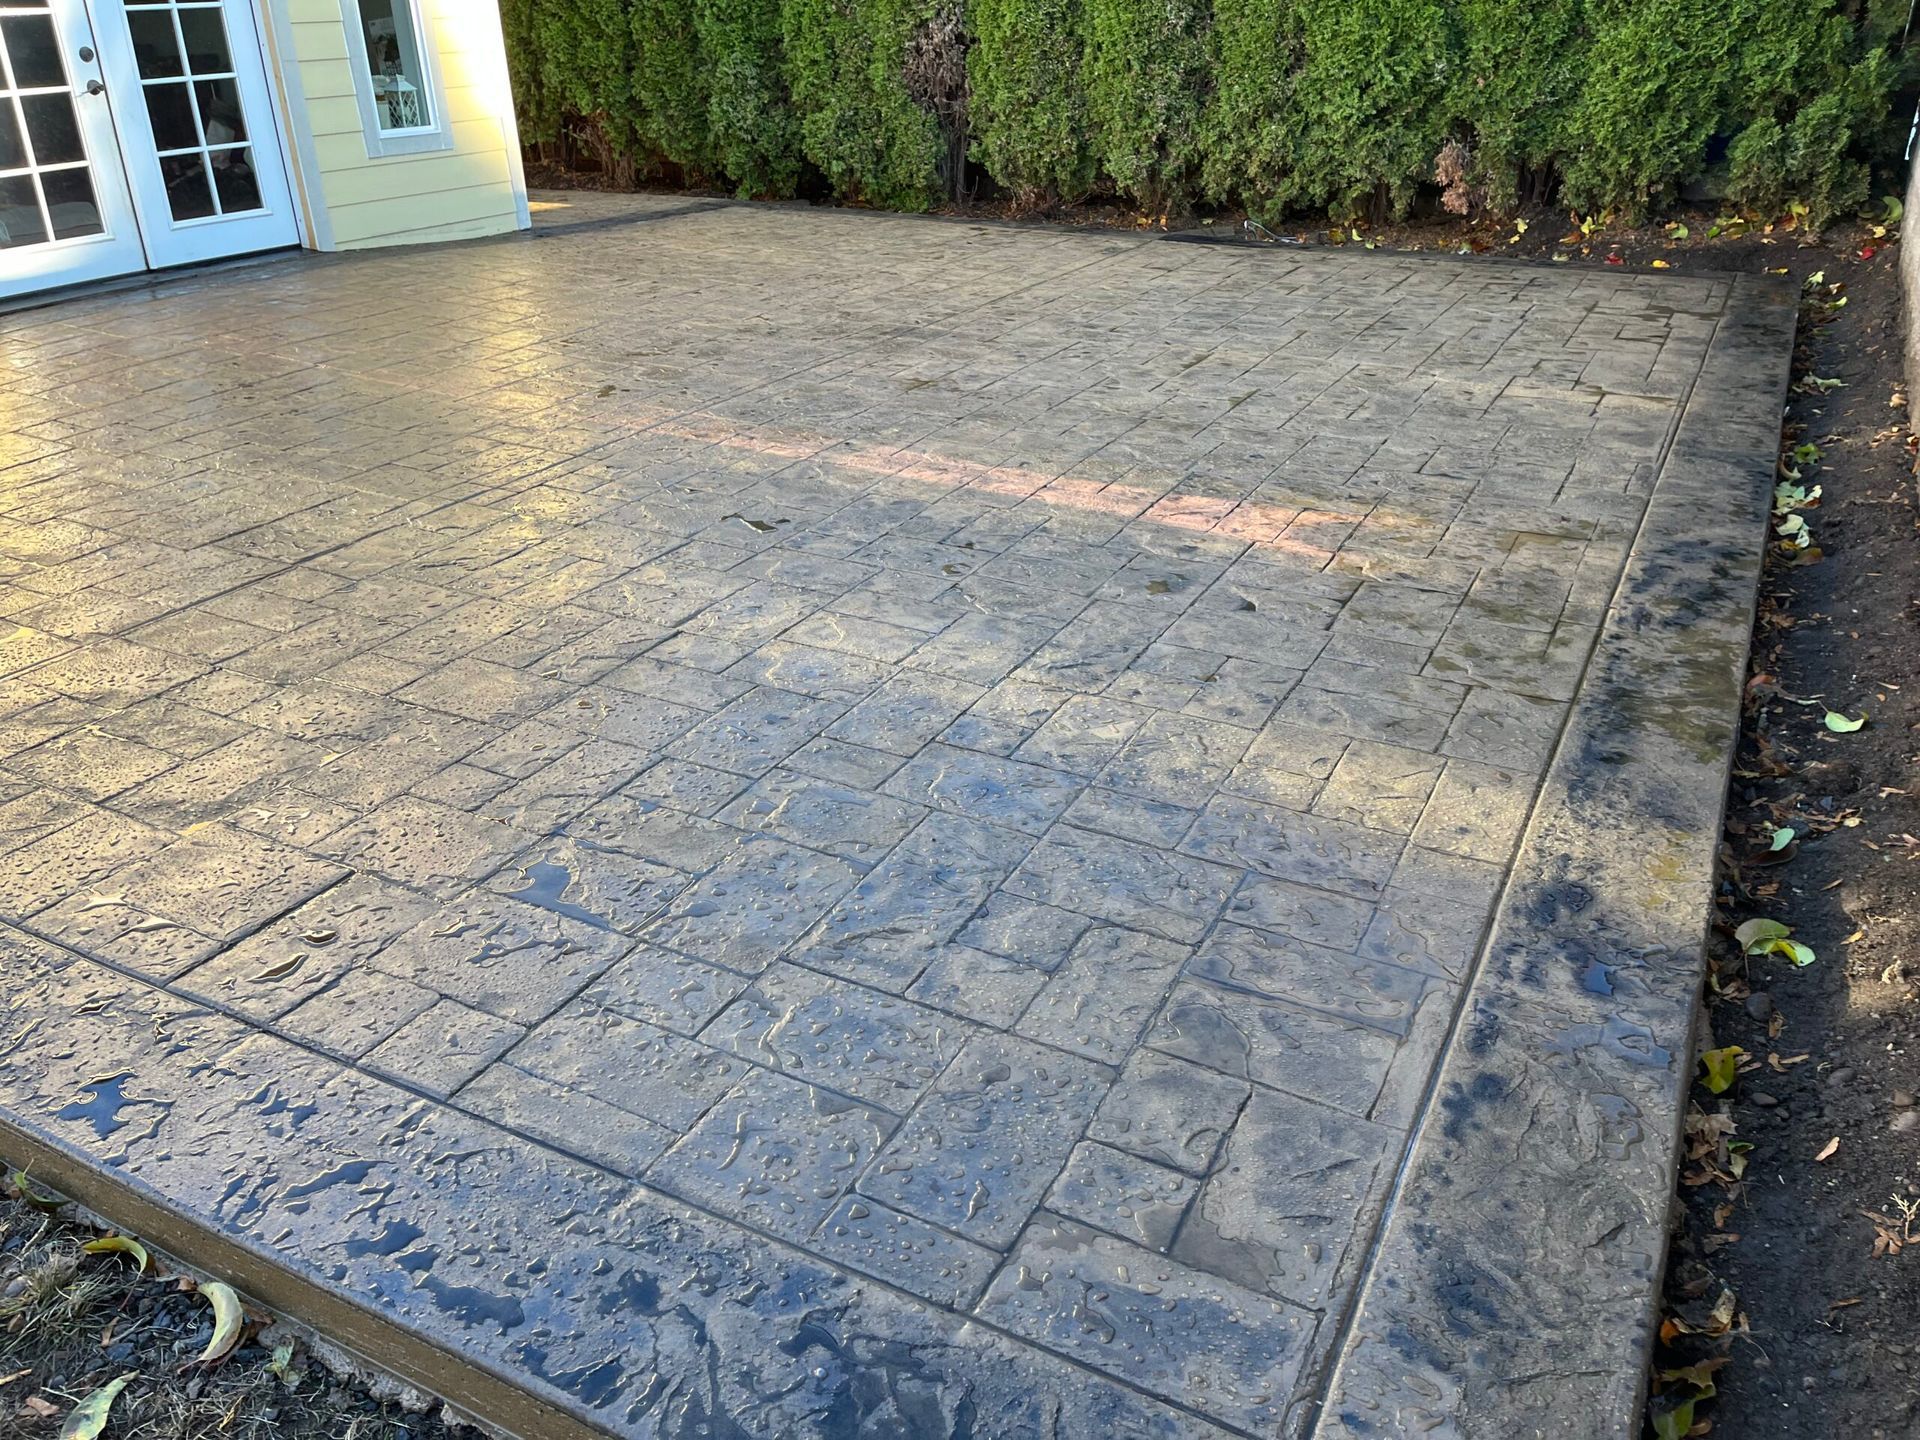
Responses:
[1313,977]
[986,1142]
[1080,719]
[921,1259]
[774,1151]
[1169,1111]
[1098,1002]
[631,1063]
[752,905]
[1135,1314]
[882,931]
[307,949]
[1122,1194]
[1298,1187]
[872,1046]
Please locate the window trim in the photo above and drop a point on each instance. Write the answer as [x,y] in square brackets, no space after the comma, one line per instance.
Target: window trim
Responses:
[437,136]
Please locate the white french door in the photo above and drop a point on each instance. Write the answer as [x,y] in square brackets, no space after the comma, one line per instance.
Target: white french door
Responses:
[170,155]
[188,83]
[65,213]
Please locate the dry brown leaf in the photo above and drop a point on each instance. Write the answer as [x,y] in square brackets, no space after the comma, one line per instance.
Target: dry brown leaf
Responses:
[1828,1150]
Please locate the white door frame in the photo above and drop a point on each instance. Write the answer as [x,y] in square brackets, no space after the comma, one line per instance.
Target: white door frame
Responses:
[117,250]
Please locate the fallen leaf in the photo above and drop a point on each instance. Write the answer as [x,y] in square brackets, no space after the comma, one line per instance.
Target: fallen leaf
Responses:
[1828,1150]
[121,1245]
[89,1417]
[228,1316]
[1672,1420]
[1841,725]
[1758,931]
[1721,1066]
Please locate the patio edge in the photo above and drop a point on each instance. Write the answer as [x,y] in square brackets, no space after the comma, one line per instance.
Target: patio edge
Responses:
[483,1398]
[1515,1287]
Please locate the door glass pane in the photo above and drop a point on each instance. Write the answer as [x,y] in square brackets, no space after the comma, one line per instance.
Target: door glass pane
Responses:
[233,178]
[156,49]
[189,195]
[13,147]
[206,34]
[53,128]
[71,202]
[172,116]
[33,51]
[20,222]
[220,114]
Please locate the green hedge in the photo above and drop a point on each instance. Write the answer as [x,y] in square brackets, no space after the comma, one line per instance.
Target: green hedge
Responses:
[1278,106]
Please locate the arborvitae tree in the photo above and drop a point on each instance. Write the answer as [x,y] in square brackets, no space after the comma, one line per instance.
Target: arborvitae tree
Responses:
[1146,78]
[1028,109]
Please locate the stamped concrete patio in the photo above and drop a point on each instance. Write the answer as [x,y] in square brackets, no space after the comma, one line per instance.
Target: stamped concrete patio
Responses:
[742,821]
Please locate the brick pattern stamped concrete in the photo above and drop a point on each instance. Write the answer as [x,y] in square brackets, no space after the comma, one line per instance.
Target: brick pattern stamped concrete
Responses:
[743,821]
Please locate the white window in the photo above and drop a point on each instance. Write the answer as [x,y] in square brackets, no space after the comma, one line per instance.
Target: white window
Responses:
[402,108]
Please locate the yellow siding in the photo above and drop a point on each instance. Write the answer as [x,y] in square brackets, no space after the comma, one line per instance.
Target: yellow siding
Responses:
[456,193]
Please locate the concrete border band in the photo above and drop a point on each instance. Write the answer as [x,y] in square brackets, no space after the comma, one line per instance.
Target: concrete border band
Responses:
[1514,1289]
[382,1344]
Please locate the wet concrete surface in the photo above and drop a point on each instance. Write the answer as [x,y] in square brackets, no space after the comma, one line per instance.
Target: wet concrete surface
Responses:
[785,823]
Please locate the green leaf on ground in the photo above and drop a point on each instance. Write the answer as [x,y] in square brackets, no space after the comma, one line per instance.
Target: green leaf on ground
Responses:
[1782,837]
[119,1244]
[1673,1423]
[1760,932]
[1841,725]
[1721,1066]
[89,1417]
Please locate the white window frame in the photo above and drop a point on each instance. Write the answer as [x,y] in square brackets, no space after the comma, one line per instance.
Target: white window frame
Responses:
[438,135]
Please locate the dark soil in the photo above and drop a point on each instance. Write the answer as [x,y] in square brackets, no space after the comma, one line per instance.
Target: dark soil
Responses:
[71,1322]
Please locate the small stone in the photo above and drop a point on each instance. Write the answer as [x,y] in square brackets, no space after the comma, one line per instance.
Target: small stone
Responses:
[1762,1099]
[1906,1122]
[1842,1076]
[1760,1006]
[1903,1099]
